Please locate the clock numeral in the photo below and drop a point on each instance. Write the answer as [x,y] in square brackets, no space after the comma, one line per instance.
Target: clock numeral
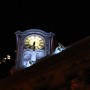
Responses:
[38,47]
[26,43]
[41,45]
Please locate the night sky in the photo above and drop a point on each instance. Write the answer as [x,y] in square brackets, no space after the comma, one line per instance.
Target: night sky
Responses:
[69,21]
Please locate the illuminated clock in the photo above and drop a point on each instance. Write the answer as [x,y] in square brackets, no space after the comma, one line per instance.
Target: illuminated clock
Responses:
[32,45]
[34,42]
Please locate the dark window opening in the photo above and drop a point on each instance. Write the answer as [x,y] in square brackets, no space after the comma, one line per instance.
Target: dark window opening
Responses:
[87,76]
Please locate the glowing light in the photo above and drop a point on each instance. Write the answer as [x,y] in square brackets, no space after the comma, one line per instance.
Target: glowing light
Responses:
[4,60]
[8,57]
[59,49]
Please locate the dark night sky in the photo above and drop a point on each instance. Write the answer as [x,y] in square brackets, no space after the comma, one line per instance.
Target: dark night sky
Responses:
[69,21]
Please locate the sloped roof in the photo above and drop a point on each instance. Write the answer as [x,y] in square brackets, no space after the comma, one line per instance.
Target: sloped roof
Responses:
[50,61]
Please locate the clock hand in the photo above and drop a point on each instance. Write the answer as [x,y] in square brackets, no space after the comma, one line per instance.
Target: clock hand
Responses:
[33,46]
[33,43]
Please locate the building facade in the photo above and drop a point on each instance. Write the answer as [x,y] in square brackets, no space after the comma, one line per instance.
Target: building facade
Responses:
[32,44]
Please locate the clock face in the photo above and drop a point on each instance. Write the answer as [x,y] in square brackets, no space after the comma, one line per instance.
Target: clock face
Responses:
[34,42]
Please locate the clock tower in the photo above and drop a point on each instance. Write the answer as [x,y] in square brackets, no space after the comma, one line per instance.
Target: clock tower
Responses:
[32,45]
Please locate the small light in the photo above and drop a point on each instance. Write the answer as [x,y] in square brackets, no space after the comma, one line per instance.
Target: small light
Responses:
[4,60]
[8,57]
[0,62]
